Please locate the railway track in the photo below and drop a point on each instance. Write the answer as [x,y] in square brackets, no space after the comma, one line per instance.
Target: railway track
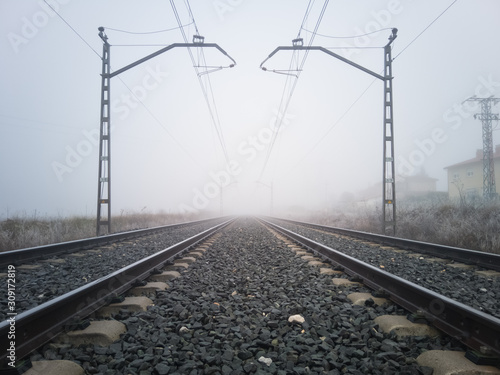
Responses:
[34,327]
[24,256]
[229,312]
[41,270]
[441,269]
[484,260]
[477,330]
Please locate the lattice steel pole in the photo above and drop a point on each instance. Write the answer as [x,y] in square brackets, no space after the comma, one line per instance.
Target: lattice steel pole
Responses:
[389,177]
[388,174]
[104,180]
[486,117]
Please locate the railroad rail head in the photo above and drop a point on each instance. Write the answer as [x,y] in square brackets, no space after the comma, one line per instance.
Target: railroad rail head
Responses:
[35,327]
[477,330]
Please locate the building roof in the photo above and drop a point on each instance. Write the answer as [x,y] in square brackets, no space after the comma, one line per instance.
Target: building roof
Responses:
[477,159]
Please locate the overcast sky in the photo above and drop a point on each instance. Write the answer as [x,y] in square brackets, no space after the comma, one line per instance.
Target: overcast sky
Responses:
[166,154]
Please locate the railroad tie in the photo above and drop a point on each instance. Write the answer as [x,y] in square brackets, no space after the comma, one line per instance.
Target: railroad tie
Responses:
[139,303]
[149,289]
[55,367]
[301,252]
[446,362]
[402,327]
[29,267]
[361,298]
[309,257]
[184,262]
[329,271]
[437,260]
[99,332]
[165,276]
[344,282]
[488,273]
[53,260]
[461,266]
[316,263]
[312,260]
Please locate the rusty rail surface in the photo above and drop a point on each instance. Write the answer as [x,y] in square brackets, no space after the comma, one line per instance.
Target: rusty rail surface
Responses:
[477,330]
[473,257]
[35,327]
[16,257]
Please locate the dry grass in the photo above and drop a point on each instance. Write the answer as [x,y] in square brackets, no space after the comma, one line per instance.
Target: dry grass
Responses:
[22,232]
[474,225]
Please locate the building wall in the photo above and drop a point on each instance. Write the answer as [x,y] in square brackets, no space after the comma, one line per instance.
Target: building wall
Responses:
[468,179]
[415,185]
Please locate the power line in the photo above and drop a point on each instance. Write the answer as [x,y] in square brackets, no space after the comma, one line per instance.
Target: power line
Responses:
[210,101]
[306,15]
[349,37]
[71,27]
[140,45]
[188,6]
[365,90]
[299,70]
[160,123]
[323,137]
[345,48]
[128,88]
[424,30]
[215,114]
[148,32]
[283,108]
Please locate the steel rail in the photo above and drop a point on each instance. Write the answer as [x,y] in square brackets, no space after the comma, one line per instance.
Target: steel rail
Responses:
[16,257]
[35,327]
[473,257]
[477,330]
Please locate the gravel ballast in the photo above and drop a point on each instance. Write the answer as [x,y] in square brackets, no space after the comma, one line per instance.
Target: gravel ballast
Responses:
[50,280]
[250,306]
[462,285]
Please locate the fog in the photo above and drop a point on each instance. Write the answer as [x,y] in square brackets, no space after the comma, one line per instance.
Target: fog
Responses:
[166,152]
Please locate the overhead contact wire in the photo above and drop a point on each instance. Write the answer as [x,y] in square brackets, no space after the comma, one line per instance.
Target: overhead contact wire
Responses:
[424,30]
[205,94]
[148,32]
[128,88]
[349,37]
[364,91]
[283,109]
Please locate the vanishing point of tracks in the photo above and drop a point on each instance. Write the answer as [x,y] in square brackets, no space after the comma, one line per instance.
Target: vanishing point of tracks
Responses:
[231,299]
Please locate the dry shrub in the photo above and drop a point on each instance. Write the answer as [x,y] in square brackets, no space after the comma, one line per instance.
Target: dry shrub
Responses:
[474,225]
[22,231]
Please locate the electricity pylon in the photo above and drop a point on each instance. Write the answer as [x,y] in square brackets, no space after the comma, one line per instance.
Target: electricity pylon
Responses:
[486,117]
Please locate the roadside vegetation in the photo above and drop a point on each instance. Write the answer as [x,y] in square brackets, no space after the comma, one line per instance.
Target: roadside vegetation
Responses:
[19,232]
[471,224]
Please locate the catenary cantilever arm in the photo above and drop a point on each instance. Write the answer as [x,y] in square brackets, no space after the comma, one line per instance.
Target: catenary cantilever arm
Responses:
[167,48]
[322,49]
